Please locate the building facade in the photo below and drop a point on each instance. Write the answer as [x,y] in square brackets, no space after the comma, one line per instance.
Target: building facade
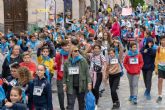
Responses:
[21,15]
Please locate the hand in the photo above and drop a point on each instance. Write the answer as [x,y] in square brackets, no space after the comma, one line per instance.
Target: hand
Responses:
[5,81]
[8,104]
[89,87]
[145,50]
[64,87]
[156,72]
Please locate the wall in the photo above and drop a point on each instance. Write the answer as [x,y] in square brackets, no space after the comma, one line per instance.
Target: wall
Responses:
[1,16]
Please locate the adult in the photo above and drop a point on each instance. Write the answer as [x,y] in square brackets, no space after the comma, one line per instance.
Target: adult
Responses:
[10,59]
[76,79]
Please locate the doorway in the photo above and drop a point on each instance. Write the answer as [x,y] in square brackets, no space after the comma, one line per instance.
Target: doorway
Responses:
[15,15]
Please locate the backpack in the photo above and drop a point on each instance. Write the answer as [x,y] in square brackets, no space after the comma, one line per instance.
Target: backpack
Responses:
[90,101]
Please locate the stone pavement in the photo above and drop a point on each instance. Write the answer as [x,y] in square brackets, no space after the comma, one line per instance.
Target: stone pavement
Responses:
[105,102]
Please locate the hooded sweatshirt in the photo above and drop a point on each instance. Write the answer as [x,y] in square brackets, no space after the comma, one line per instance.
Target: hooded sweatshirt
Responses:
[133,62]
[149,56]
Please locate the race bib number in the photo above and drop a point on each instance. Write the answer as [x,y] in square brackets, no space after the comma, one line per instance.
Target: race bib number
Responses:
[37,90]
[13,82]
[73,70]
[114,61]
[133,61]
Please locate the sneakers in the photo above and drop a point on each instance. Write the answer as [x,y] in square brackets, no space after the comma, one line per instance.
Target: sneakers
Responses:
[130,98]
[116,106]
[159,99]
[134,100]
[145,93]
[148,97]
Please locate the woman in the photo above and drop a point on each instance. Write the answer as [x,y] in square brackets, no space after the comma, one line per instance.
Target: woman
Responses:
[10,59]
[76,79]
[97,69]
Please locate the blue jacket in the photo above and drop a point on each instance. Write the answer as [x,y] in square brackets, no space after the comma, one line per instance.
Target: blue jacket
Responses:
[149,57]
[45,100]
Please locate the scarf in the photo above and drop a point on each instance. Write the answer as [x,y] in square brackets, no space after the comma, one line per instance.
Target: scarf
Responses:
[75,60]
[131,53]
[63,52]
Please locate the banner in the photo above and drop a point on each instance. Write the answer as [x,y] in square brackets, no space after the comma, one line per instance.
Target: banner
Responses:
[126,11]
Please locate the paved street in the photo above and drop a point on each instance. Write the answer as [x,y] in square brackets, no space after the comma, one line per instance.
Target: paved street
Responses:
[105,102]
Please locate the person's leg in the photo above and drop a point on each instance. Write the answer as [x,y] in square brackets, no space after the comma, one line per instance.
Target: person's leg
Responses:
[149,80]
[135,81]
[71,100]
[115,83]
[130,85]
[160,84]
[60,92]
[97,85]
[144,77]
[81,101]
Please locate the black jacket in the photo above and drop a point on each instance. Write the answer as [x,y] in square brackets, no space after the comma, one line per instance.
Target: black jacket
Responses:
[16,106]
[45,100]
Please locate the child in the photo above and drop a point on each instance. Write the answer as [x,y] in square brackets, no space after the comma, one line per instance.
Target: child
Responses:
[46,60]
[15,97]
[25,82]
[113,71]
[133,63]
[160,67]
[27,62]
[41,91]
[11,80]
[4,46]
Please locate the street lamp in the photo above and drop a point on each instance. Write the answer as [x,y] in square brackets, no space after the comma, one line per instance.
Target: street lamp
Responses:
[55,11]
[45,10]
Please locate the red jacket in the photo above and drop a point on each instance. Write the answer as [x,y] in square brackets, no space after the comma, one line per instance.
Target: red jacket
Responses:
[115,29]
[133,68]
[58,62]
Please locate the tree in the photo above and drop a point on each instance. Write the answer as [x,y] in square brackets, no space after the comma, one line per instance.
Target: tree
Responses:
[136,2]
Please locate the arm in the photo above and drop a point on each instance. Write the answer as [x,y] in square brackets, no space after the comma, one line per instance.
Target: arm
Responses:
[52,48]
[156,62]
[114,68]
[141,63]
[126,63]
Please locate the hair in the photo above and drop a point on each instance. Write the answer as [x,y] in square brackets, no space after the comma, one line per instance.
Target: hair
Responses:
[162,37]
[15,65]
[42,65]
[24,75]
[26,53]
[64,43]
[111,49]
[18,89]
[97,45]
[132,44]
[45,47]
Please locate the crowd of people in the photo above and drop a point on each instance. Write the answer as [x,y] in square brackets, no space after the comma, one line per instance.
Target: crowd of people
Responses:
[81,54]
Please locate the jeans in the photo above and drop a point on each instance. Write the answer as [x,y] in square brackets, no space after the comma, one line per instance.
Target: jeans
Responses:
[113,83]
[60,92]
[147,76]
[133,84]
[72,97]
[95,90]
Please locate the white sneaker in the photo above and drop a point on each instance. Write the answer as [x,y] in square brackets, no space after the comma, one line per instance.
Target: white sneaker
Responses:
[96,107]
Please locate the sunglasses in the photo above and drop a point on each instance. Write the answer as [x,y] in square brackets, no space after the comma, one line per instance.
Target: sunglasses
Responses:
[75,51]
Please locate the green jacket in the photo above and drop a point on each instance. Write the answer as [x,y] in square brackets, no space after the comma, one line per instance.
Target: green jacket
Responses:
[84,77]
